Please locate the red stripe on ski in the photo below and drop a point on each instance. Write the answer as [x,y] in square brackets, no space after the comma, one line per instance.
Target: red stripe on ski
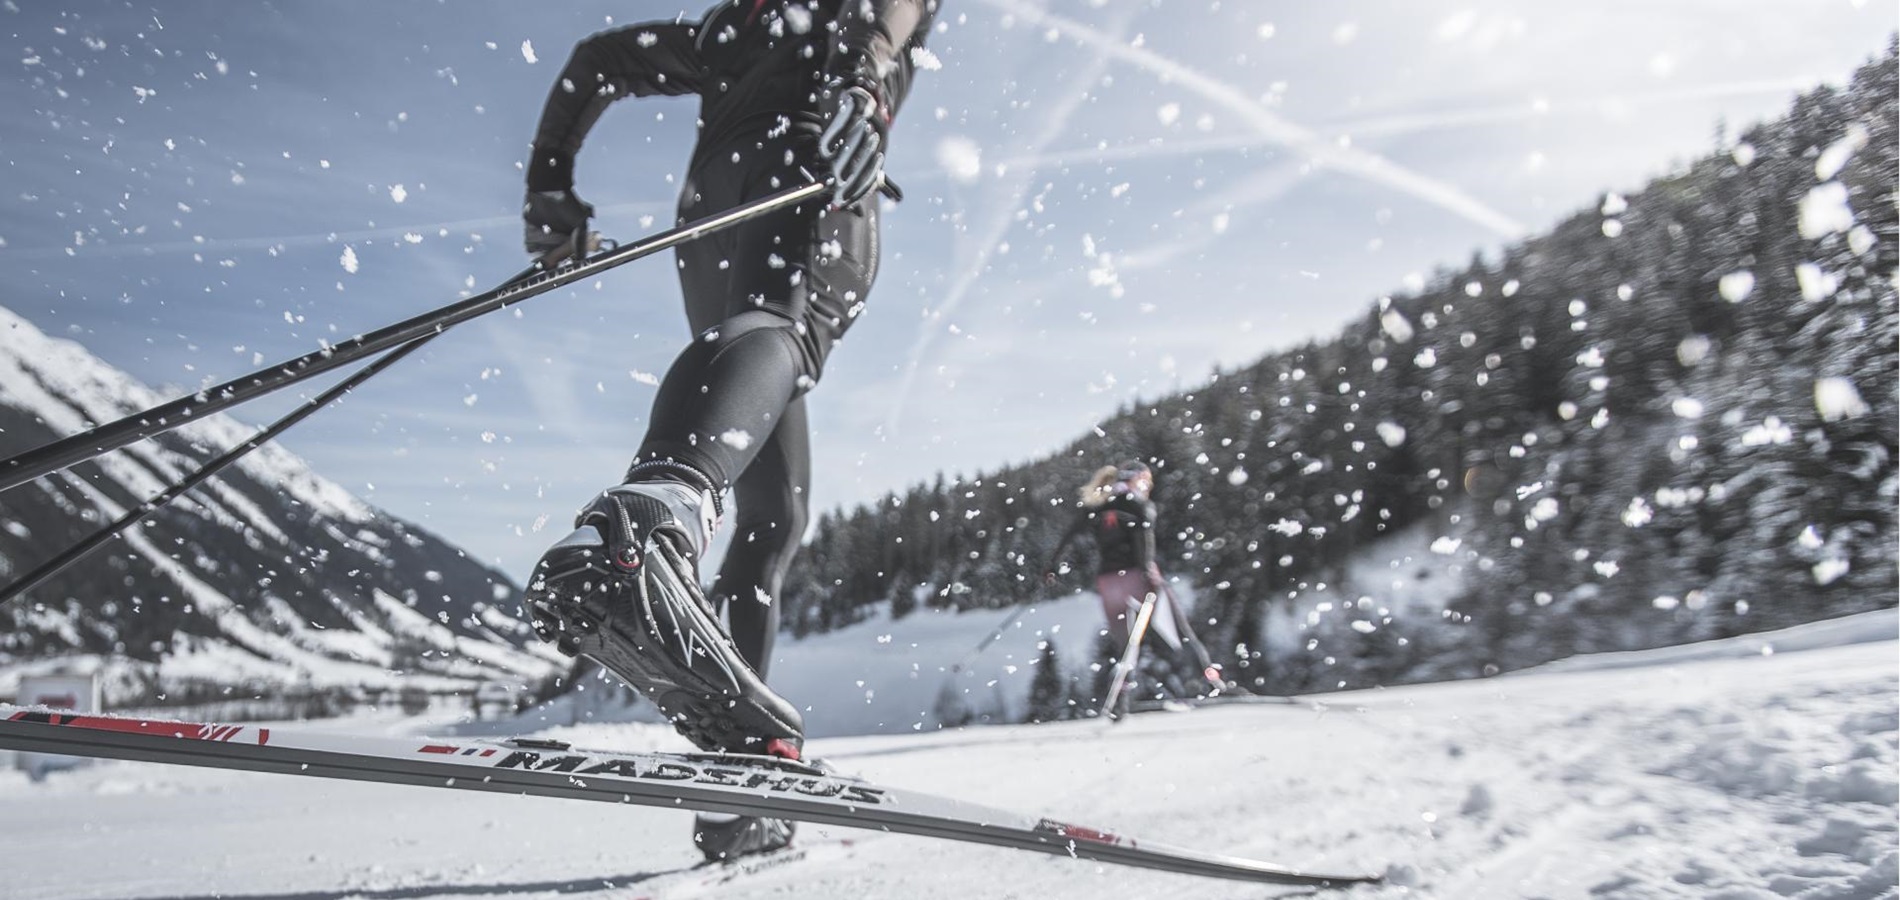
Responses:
[187,730]
[1080,833]
[440,748]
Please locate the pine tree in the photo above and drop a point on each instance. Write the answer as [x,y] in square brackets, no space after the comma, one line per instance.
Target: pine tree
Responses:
[1048,690]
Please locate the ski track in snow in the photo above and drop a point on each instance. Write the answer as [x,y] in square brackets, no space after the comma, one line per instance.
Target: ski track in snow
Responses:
[1759,777]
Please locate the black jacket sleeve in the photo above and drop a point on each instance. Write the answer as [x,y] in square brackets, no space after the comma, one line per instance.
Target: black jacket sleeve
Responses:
[871,46]
[1068,537]
[633,61]
[1145,542]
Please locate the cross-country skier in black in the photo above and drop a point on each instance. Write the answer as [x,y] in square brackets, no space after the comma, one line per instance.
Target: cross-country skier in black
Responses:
[786,88]
[1116,512]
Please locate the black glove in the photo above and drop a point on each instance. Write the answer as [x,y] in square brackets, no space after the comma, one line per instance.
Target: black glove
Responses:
[550,220]
[853,141]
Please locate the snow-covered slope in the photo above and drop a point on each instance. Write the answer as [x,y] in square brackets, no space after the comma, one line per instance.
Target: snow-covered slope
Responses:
[270,575]
[885,676]
[1748,778]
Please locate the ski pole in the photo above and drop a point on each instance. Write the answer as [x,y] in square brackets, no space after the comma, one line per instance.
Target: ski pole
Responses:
[66,452]
[204,473]
[1210,670]
[994,636]
[1126,665]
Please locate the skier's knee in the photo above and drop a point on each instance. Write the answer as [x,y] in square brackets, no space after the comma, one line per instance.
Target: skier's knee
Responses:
[806,348]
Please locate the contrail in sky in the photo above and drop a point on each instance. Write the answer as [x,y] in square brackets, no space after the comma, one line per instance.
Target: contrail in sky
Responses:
[1366,165]
[992,231]
[1407,123]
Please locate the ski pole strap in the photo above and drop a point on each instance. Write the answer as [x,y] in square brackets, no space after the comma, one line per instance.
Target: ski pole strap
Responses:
[66,452]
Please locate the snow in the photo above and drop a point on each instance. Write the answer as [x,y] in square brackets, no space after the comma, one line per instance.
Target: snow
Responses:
[1702,771]
[1837,398]
[1824,211]
[1835,157]
[1816,283]
[884,676]
[1736,286]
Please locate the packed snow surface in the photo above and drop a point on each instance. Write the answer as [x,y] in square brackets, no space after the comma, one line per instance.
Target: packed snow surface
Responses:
[1740,775]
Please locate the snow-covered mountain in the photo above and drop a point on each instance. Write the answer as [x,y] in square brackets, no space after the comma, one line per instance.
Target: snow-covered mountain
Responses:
[268,576]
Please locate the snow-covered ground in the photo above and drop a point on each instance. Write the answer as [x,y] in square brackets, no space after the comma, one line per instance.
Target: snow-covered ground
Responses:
[1750,776]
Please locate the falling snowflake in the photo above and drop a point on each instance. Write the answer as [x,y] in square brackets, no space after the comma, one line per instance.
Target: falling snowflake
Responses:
[1638,513]
[348,259]
[961,158]
[1395,326]
[1736,286]
[1829,570]
[1771,431]
[1824,211]
[920,57]
[1836,398]
[1835,157]
[1816,283]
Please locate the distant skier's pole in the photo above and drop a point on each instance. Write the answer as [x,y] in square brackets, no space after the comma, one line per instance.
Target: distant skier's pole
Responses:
[994,635]
[1210,671]
[1131,654]
[80,447]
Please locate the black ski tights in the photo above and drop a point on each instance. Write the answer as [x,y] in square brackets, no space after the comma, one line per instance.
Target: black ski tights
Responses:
[767,300]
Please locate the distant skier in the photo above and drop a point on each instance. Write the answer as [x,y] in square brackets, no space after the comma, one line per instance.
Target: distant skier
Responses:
[786,88]
[1116,511]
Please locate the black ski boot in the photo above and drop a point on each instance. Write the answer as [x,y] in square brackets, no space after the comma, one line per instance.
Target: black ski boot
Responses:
[623,590]
[721,837]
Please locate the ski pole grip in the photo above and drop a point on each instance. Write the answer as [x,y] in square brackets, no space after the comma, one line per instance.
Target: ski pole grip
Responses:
[583,244]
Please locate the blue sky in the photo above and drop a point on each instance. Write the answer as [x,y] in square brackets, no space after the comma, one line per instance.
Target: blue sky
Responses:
[1108,199]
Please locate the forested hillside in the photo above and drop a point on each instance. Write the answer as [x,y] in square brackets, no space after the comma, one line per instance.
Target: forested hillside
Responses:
[1672,417]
